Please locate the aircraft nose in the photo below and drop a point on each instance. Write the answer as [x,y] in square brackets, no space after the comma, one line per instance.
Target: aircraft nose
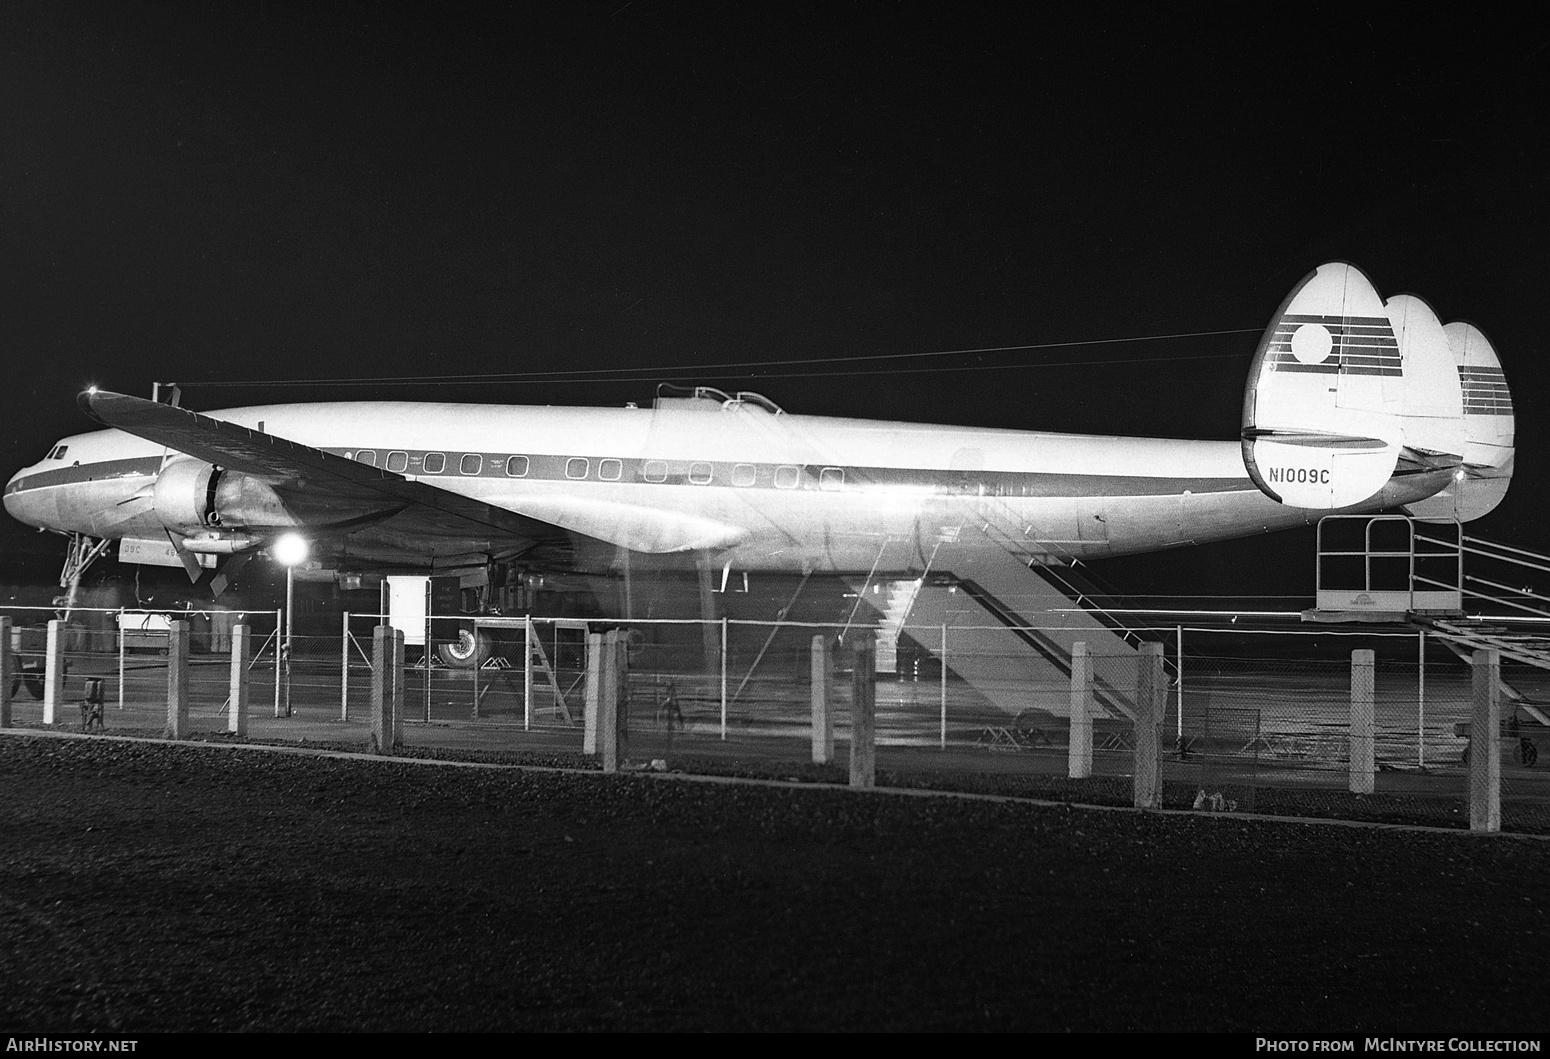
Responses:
[17,503]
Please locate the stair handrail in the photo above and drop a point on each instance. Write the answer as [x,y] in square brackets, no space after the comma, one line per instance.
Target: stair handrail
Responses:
[1500,558]
[1011,544]
[850,619]
[1503,602]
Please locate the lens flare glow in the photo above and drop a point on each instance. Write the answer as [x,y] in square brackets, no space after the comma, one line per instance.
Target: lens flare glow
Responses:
[291,550]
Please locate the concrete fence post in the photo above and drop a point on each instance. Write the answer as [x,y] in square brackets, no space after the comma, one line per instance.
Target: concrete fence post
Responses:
[8,668]
[863,712]
[608,703]
[54,672]
[823,716]
[237,697]
[399,683]
[1147,786]
[177,680]
[1079,756]
[594,702]
[381,688]
[622,695]
[1363,764]
[1485,757]
[527,673]
[344,666]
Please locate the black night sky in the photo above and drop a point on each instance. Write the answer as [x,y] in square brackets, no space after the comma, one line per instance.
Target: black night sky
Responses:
[221,193]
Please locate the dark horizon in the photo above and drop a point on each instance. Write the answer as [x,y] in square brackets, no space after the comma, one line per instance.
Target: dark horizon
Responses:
[219,196]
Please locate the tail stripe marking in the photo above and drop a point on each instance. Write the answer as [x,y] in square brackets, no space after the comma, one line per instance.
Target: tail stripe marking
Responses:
[1362,345]
[1485,391]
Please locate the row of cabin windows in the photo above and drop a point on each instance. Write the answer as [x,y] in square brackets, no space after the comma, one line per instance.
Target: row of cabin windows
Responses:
[471,463]
[787,476]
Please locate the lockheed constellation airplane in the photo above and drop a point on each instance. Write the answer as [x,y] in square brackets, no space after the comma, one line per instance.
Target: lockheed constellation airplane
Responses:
[1353,404]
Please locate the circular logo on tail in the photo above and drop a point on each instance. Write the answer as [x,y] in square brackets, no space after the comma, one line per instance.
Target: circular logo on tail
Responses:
[1311,344]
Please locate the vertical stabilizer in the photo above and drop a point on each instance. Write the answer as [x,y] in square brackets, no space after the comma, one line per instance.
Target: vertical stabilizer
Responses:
[1489,426]
[1322,414]
[1432,400]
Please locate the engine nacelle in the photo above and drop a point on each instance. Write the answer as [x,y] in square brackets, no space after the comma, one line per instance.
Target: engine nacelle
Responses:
[184,496]
[192,498]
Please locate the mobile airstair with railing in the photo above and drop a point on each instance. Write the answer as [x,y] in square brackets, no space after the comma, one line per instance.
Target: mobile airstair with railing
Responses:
[1395,568]
[996,613]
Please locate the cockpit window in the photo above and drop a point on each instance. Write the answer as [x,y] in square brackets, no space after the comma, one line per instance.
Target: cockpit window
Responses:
[59,452]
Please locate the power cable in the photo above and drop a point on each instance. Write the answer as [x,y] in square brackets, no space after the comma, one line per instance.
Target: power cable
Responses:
[734,369]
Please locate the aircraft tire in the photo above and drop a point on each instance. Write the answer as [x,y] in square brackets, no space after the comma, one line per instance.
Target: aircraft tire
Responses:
[464,654]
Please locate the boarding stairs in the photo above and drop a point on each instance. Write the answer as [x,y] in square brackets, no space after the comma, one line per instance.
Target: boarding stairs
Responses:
[1513,635]
[1414,572]
[994,609]
[898,600]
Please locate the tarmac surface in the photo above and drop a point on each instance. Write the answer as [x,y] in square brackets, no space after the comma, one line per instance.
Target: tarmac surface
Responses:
[152,886]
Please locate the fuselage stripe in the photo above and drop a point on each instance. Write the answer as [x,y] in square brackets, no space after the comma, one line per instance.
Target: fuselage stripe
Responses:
[710,473]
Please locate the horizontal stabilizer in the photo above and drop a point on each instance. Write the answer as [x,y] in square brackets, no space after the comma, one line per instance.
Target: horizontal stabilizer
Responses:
[1320,473]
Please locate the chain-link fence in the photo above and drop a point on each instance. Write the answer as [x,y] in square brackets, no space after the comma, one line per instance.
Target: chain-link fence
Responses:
[1260,725]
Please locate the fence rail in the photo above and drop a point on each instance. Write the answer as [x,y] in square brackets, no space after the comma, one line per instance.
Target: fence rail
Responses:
[1231,717]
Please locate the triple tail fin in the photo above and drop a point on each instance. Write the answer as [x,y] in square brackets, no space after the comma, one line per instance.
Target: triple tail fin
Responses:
[1324,405]
[1354,400]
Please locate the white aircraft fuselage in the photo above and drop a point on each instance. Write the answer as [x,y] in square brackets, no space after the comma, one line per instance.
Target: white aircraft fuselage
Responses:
[759,490]
[1353,404]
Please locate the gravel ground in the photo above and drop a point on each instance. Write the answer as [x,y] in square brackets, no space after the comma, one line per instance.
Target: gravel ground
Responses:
[157,887]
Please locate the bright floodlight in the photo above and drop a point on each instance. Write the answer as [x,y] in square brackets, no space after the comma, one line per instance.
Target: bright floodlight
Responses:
[291,549]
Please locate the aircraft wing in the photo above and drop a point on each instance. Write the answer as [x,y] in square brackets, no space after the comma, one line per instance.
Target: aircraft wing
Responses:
[414,507]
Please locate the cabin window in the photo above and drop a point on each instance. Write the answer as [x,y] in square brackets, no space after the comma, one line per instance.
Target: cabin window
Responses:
[471,463]
[367,456]
[831,478]
[435,462]
[655,471]
[744,474]
[700,473]
[609,470]
[787,477]
[516,467]
[576,467]
[397,461]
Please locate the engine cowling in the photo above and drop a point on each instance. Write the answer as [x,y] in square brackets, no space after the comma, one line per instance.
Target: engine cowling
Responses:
[192,497]
[184,496]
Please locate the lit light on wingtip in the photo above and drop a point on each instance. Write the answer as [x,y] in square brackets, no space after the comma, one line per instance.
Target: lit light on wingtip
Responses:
[1459,475]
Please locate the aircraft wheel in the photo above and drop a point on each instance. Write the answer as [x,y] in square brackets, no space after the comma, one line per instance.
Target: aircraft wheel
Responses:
[1528,753]
[465,654]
